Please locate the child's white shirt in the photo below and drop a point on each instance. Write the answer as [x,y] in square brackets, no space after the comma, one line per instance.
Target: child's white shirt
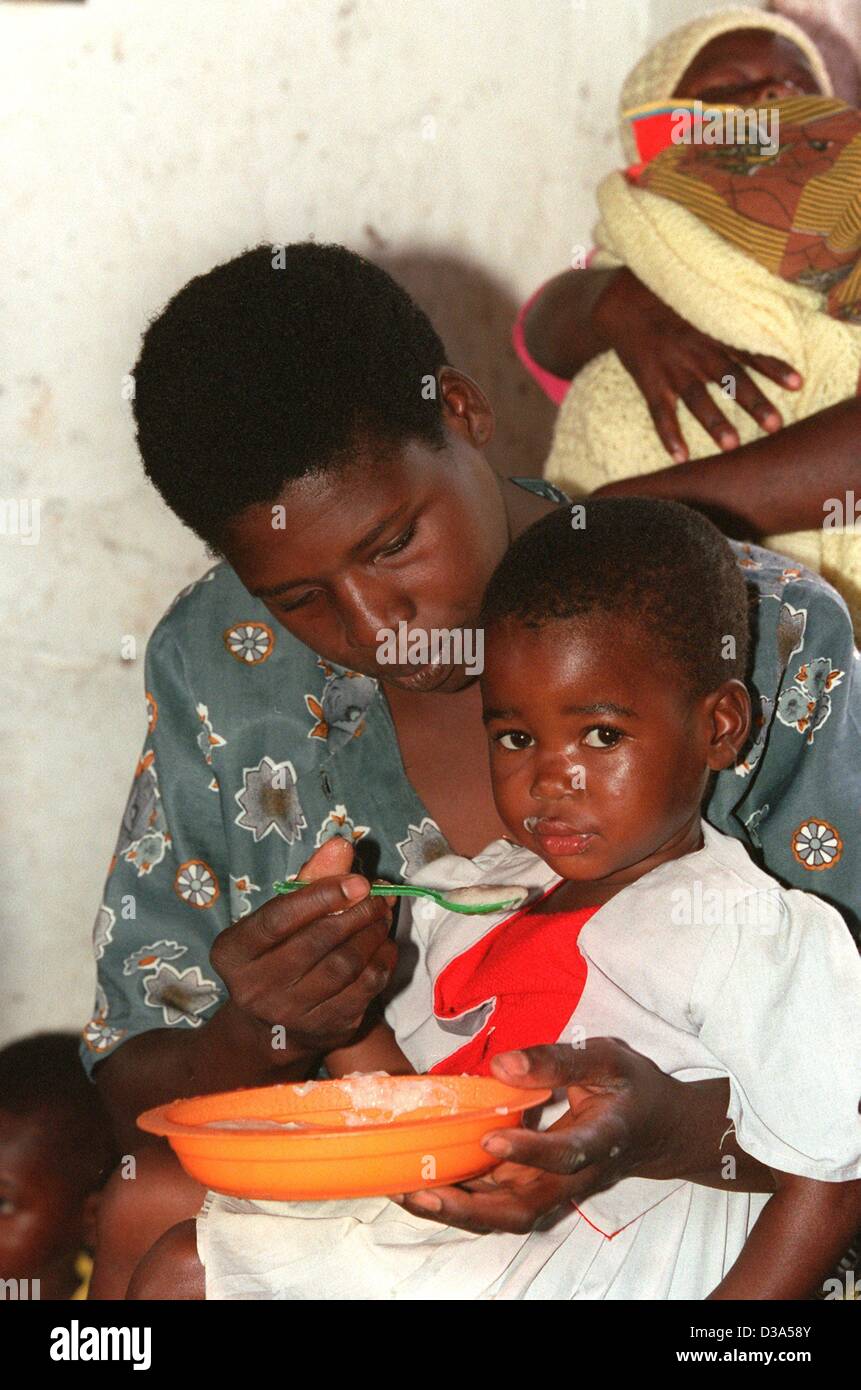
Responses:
[707,966]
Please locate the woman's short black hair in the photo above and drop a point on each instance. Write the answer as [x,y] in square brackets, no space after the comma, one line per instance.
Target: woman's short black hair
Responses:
[659,564]
[281,362]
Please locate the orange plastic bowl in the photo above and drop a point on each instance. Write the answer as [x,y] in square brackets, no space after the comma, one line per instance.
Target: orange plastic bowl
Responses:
[358,1137]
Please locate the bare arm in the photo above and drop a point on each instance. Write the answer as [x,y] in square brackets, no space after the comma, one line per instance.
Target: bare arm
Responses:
[801,1233]
[585,312]
[782,482]
[163,1065]
[375,1051]
[558,328]
[627,1118]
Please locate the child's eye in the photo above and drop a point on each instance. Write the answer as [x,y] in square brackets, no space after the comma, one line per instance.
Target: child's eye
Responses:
[401,543]
[602,736]
[514,740]
[7,1206]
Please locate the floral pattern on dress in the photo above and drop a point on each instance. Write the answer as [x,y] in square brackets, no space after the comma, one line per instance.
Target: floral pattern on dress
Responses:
[423,844]
[207,739]
[144,836]
[817,845]
[98,1035]
[240,903]
[791,627]
[774,582]
[150,957]
[761,722]
[320,728]
[250,643]
[148,851]
[103,930]
[806,704]
[270,802]
[746,561]
[182,995]
[196,884]
[339,823]
[151,711]
[141,806]
[339,713]
[753,823]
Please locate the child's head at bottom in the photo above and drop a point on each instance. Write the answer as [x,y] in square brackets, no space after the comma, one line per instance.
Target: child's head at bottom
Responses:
[55,1154]
[616,645]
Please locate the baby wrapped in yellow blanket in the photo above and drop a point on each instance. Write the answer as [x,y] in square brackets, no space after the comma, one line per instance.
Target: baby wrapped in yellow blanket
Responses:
[758,246]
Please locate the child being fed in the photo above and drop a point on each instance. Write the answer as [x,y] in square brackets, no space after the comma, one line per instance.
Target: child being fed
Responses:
[613,690]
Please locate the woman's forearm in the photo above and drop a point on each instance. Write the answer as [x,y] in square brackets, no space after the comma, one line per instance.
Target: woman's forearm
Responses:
[558,328]
[704,1150]
[163,1064]
[795,480]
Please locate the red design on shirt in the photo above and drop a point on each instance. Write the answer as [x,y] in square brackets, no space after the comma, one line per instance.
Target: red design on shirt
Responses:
[531,967]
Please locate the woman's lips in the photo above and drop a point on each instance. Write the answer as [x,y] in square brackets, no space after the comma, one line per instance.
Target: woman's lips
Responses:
[421,677]
[558,838]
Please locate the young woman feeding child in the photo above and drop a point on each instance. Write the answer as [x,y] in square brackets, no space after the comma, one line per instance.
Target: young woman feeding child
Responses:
[613,693]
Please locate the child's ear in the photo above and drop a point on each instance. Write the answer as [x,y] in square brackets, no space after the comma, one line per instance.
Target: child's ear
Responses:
[730,718]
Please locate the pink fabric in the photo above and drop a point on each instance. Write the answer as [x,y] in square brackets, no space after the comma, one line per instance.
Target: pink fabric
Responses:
[552,386]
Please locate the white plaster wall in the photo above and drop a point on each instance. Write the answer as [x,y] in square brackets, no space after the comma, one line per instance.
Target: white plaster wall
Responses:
[142,142]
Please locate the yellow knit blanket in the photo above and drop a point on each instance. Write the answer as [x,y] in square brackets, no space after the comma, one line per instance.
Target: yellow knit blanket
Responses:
[604,431]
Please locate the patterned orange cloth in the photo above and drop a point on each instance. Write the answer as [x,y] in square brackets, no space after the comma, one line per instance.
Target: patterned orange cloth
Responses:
[795,209]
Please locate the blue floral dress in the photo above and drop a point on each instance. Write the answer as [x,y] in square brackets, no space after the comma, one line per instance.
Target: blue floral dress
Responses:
[258,751]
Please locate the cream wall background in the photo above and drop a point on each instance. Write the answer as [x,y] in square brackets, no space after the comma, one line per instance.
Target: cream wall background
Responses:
[458,141]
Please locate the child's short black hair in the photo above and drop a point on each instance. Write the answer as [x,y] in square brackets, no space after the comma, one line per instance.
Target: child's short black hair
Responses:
[43,1080]
[657,563]
[276,364]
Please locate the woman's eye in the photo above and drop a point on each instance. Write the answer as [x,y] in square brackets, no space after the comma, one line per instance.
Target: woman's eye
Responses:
[401,543]
[300,602]
[514,740]
[7,1206]
[603,737]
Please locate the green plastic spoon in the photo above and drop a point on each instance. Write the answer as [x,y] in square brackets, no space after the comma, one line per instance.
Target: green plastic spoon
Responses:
[483,898]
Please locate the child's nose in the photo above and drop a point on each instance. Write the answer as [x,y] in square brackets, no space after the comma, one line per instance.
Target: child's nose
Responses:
[558,775]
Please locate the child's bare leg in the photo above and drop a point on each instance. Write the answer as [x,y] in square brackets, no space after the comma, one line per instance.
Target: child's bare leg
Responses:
[134,1212]
[172,1268]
